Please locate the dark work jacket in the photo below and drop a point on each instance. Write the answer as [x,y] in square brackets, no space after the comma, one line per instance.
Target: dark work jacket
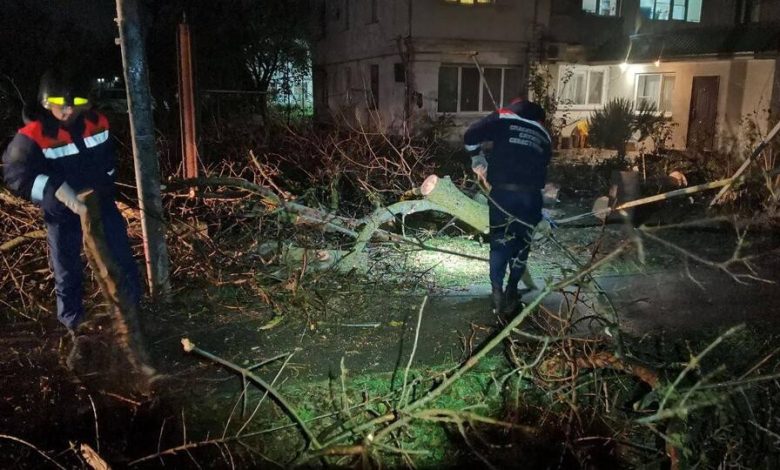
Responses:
[521,148]
[45,153]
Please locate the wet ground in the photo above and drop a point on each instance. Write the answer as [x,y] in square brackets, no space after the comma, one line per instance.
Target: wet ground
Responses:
[46,405]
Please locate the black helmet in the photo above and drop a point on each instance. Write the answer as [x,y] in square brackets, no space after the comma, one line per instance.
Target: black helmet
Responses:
[63,86]
[528,110]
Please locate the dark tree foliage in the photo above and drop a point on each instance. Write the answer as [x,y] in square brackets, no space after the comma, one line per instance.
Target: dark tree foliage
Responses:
[243,44]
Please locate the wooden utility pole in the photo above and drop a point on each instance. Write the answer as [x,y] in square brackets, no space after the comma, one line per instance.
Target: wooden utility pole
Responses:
[147,168]
[189,149]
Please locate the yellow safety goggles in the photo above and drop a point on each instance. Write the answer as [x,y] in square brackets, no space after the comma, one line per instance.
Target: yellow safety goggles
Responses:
[60,101]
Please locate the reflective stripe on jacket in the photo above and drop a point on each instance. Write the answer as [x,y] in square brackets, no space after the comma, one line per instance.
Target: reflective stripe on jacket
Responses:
[521,148]
[45,153]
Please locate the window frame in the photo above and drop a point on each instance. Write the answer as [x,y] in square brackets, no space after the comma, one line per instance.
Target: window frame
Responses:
[748,12]
[672,4]
[470,3]
[501,99]
[664,77]
[587,70]
[598,5]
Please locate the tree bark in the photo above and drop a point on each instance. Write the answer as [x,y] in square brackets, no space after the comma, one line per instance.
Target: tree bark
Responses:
[147,169]
[127,324]
[379,217]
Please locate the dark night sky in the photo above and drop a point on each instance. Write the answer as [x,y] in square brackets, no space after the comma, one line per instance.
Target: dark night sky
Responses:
[96,16]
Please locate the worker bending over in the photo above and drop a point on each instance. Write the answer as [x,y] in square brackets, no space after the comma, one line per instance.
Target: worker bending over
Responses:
[516,175]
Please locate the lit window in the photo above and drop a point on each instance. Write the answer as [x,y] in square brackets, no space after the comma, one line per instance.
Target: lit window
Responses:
[655,89]
[471,2]
[681,10]
[601,7]
[583,86]
[461,89]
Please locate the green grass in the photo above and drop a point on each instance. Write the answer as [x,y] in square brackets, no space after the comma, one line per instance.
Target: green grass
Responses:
[371,395]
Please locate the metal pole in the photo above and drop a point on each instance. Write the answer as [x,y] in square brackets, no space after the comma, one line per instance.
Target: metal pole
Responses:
[147,168]
[482,78]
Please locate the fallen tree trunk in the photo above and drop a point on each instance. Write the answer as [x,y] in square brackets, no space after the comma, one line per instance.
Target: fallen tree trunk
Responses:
[271,198]
[452,201]
[125,315]
[312,258]
[379,217]
[443,193]
[440,195]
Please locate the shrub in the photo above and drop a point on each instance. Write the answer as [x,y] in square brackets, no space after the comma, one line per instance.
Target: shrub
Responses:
[612,126]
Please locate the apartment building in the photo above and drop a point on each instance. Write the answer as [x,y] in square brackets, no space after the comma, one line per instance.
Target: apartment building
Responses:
[707,64]
[398,60]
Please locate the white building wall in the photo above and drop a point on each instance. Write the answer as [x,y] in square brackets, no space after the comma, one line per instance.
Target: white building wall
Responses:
[440,33]
[745,88]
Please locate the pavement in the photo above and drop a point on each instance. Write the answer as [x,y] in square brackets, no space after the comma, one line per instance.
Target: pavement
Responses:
[454,323]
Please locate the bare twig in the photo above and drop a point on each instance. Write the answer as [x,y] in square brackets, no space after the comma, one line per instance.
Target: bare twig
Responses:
[402,400]
[40,452]
[190,347]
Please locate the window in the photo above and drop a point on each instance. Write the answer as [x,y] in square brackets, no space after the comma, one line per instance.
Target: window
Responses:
[373,15]
[748,11]
[471,2]
[601,7]
[583,86]
[373,98]
[682,10]
[656,89]
[399,73]
[461,88]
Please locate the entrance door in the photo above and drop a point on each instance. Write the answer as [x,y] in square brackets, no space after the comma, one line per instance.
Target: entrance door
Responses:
[704,112]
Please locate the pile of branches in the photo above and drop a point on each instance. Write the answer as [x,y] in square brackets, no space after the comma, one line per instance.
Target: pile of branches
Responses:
[25,280]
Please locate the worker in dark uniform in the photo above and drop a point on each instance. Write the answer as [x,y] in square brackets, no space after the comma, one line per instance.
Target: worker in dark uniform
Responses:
[516,175]
[63,149]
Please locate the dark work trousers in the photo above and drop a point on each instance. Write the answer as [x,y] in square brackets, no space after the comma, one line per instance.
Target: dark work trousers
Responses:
[510,232]
[65,243]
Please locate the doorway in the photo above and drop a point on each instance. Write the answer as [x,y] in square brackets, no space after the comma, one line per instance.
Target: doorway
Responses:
[704,113]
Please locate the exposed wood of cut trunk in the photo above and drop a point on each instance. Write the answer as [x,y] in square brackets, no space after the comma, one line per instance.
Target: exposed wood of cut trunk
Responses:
[442,192]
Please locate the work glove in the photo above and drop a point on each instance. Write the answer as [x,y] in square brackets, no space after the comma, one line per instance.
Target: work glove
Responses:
[545,226]
[546,216]
[479,165]
[67,196]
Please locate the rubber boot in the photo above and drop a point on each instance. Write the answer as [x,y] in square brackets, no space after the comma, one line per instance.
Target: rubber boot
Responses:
[498,300]
[511,301]
[79,353]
